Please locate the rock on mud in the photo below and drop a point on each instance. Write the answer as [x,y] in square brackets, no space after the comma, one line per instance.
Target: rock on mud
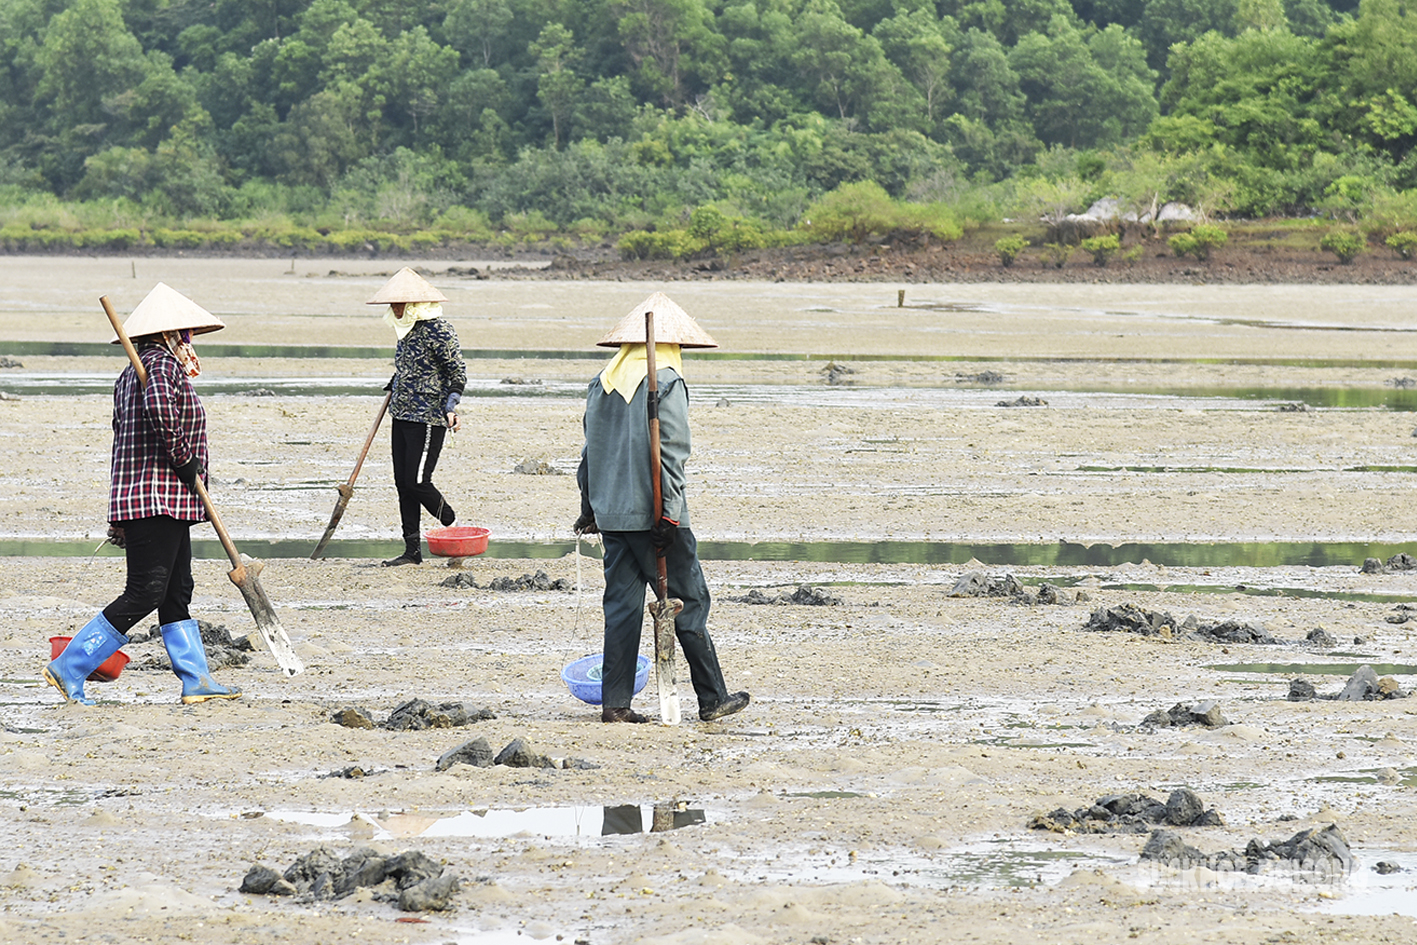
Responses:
[1129,618]
[540,581]
[1365,686]
[1201,713]
[804,595]
[1316,850]
[1398,562]
[414,715]
[1130,813]
[477,753]
[518,754]
[979,584]
[322,875]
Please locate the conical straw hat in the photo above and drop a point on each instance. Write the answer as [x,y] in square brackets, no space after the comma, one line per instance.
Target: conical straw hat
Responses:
[166,309]
[672,326]
[407,286]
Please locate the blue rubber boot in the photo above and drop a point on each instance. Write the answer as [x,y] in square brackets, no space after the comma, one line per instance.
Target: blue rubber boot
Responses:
[94,643]
[189,661]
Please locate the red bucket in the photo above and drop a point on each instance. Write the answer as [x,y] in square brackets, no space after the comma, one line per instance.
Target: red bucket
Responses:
[457,541]
[107,671]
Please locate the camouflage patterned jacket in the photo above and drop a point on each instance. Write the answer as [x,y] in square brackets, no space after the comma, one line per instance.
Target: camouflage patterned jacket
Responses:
[428,367]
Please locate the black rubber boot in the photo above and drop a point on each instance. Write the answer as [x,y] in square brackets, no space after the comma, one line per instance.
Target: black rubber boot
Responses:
[412,553]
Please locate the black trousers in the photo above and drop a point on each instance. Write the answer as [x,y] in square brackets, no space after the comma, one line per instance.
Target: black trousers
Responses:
[159,555]
[416,447]
[629,570]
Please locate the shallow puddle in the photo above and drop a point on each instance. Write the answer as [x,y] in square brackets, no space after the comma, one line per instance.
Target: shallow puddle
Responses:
[486,823]
[1316,669]
[1406,777]
[1057,554]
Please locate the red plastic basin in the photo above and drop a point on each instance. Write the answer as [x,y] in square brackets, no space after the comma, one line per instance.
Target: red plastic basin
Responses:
[457,541]
[107,671]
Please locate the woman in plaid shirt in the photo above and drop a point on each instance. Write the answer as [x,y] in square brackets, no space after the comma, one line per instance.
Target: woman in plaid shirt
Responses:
[159,449]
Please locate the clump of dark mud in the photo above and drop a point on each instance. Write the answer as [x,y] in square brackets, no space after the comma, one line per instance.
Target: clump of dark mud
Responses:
[1129,618]
[1398,562]
[1322,851]
[223,650]
[522,381]
[836,373]
[804,595]
[1320,637]
[1404,613]
[414,715]
[1023,401]
[1131,813]
[518,753]
[10,363]
[1363,686]
[979,584]
[1293,407]
[983,377]
[411,880]
[532,466]
[1206,714]
[540,581]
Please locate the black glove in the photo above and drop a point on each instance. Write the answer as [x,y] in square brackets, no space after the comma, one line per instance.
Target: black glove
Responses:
[116,537]
[661,535]
[189,471]
[585,524]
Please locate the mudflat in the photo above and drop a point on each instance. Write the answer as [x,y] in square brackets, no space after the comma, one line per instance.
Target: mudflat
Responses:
[900,770]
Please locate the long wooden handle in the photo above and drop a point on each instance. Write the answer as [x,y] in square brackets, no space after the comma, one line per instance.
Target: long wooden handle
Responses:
[369,440]
[661,589]
[142,372]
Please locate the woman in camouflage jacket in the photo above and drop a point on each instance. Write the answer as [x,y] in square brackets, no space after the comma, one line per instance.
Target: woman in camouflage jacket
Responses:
[428,382]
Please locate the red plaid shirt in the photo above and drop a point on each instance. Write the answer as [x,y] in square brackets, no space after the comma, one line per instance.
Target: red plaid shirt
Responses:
[155,429]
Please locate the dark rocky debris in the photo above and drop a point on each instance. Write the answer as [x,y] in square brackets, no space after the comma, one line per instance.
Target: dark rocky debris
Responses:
[804,595]
[1318,850]
[1129,618]
[1206,714]
[223,650]
[1398,562]
[979,584]
[414,715]
[518,753]
[540,581]
[413,881]
[1130,813]
[1363,686]
[1023,401]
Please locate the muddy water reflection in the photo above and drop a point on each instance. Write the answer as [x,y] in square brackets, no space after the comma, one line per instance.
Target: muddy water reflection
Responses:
[1046,554]
[576,821]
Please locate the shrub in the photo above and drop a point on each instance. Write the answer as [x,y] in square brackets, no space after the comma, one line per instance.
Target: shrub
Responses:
[655,244]
[1056,254]
[1345,244]
[1102,248]
[1405,244]
[1207,237]
[176,239]
[1008,248]
[1133,255]
[1182,244]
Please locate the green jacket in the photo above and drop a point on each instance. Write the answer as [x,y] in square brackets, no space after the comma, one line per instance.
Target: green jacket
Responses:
[614,474]
[428,369]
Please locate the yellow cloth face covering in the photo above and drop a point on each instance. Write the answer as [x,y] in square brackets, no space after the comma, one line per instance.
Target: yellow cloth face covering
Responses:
[630,366]
[412,312]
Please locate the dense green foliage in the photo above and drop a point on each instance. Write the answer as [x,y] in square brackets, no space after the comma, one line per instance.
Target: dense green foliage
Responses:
[688,127]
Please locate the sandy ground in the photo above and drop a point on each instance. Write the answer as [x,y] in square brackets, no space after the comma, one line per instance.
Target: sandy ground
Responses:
[879,789]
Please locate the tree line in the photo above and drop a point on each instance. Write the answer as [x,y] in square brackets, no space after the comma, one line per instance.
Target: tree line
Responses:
[711,122]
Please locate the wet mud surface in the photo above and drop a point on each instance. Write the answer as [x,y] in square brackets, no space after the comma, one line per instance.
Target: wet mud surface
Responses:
[902,736]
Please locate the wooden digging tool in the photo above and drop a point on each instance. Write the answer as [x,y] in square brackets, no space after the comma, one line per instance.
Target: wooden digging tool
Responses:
[245,574]
[346,489]
[664,609]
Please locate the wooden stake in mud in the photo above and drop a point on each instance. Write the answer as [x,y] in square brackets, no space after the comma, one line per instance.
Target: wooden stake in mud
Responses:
[346,489]
[663,610]
[245,572]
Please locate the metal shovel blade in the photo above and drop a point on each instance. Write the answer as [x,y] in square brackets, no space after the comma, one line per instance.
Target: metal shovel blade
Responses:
[247,578]
[664,612]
